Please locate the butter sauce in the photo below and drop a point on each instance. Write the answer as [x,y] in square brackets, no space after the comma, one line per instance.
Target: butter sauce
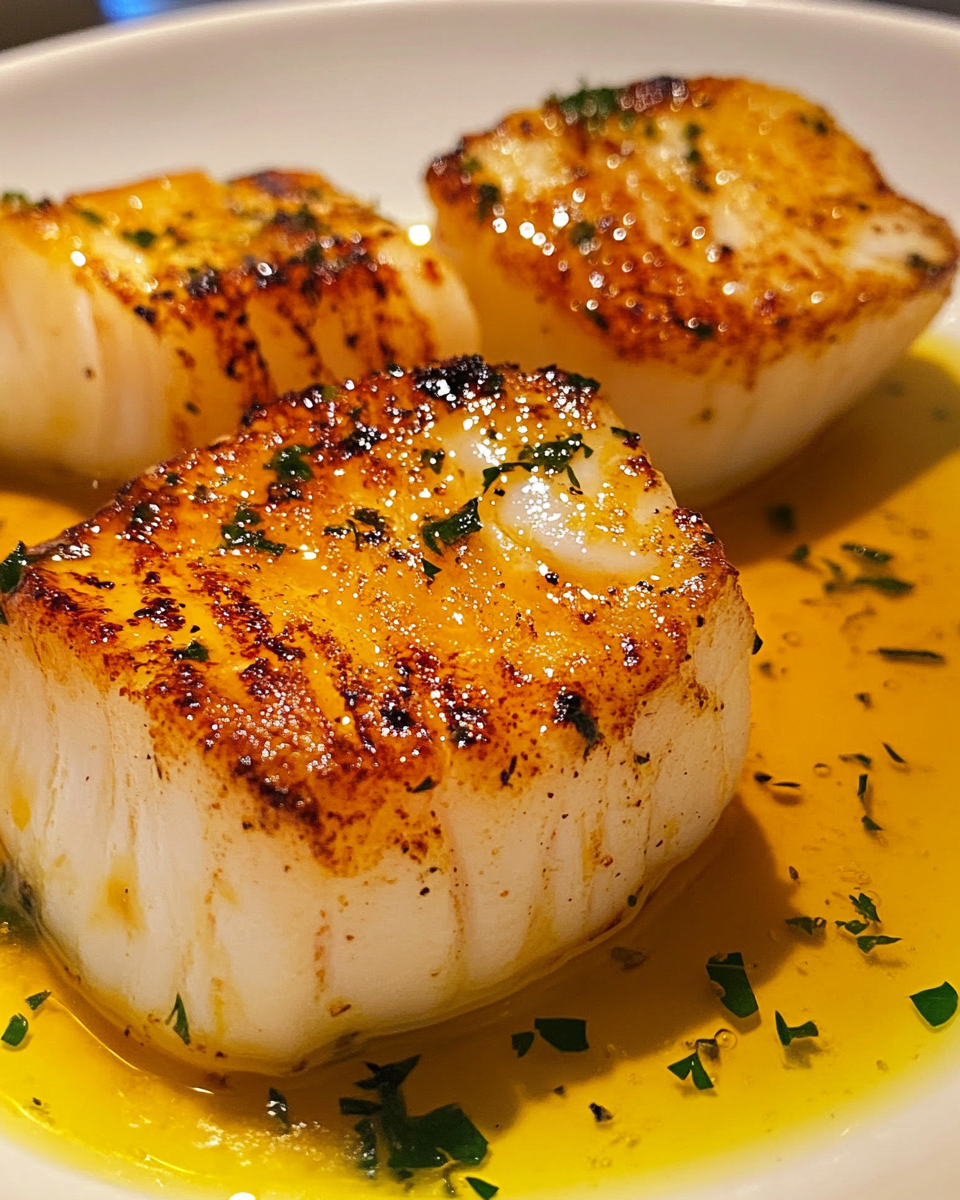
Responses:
[886,475]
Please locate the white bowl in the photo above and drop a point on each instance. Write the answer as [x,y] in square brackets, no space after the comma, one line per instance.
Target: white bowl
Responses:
[367,91]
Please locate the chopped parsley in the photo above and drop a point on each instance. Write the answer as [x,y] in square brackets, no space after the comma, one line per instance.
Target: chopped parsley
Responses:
[426,785]
[893,754]
[181,1026]
[12,568]
[781,518]
[568,1034]
[90,216]
[897,654]
[581,235]
[431,570]
[630,439]
[412,1142]
[277,1107]
[884,583]
[866,552]
[240,532]
[789,1033]
[488,194]
[521,1042]
[194,652]
[692,1066]
[728,971]
[452,529]
[868,942]
[34,1001]
[581,382]
[807,924]
[289,463]
[757,643]
[569,709]
[862,781]
[863,759]
[936,1005]
[144,238]
[356,1106]
[800,553]
[16,1030]
[631,901]
[870,824]
[433,459]
[600,1113]
[550,457]
[865,907]
[486,1191]
[853,927]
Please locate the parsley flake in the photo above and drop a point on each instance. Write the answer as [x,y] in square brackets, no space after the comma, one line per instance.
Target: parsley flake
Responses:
[870,824]
[809,925]
[488,194]
[728,971]
[486,1191]
[867,943]
[865,907]
[800,553]
[289,464]
[600,1113]
[568,1034]
[12,568]
[427,785]
[367,1154]
[781,518]
[692,1066]
[240,532]
[34,1001]
[433,459]
[181,1026]
[144,238]
[897,654]
[866,552]
[356,1106]
[884,583]
[452,529]
[789,1033]
[936,1005]
[893,754]
[194,652]
[862,759]
[277,1107]
[16,1030]
[569,709]
[431,570]
[521,1042]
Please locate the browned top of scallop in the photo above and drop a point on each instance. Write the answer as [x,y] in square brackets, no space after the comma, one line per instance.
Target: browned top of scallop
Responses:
[186,251]
[699,222]
[325,611]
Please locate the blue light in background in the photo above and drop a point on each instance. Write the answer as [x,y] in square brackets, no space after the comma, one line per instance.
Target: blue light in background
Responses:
[123,10]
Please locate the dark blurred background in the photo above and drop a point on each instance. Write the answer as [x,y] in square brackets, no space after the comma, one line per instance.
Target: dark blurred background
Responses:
[23,21]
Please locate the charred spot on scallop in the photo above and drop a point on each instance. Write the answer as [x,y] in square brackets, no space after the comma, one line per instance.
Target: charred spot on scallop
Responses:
[344,674]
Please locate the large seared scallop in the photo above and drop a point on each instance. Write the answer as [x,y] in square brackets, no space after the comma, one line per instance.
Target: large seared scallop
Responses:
[143,320]
[366,715]
[720,254]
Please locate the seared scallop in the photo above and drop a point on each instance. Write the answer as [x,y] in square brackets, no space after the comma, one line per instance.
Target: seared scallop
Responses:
[720,254]
[143,320]
[367,715]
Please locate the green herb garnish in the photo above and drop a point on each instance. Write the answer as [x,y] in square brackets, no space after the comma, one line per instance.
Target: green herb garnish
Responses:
[16,1030]
[862,781]
[569,709]
[568,1034]
[936,1005]
[144,238]
[289,464]
[452,529]
[807,924]
[181,1026]
[583,381]
[277,1107]
[34,1001]
[486,1191]
[852,926]
[788,1033]
[521,1042]
[728,971]
[433,459]
[863,759]
[592,105]
[550,457]
[426,785]
[884,583]
[367,1155]
[870,825]
[581,234]
[781,518]
[866,552]
[431,570]
[691,1065]
[12,568]
[867,943]
[627,436]
[893,754]
[600,1113]
[865,907]
[240,532]
[356,1106]
[195,652]
[896,654]
[800,553]
[488,194]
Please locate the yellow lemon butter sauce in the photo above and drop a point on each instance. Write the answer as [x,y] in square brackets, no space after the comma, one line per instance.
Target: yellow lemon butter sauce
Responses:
[885,477]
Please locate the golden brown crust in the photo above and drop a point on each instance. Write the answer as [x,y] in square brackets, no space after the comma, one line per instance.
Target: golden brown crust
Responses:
[185,253]
[274,615]
[650,180]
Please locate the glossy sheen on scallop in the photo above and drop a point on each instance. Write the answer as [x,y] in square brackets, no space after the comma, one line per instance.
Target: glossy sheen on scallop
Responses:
[287,747]
[720,254]
[143,320]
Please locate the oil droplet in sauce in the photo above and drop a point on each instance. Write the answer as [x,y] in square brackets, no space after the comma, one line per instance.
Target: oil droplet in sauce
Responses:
[793,843]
